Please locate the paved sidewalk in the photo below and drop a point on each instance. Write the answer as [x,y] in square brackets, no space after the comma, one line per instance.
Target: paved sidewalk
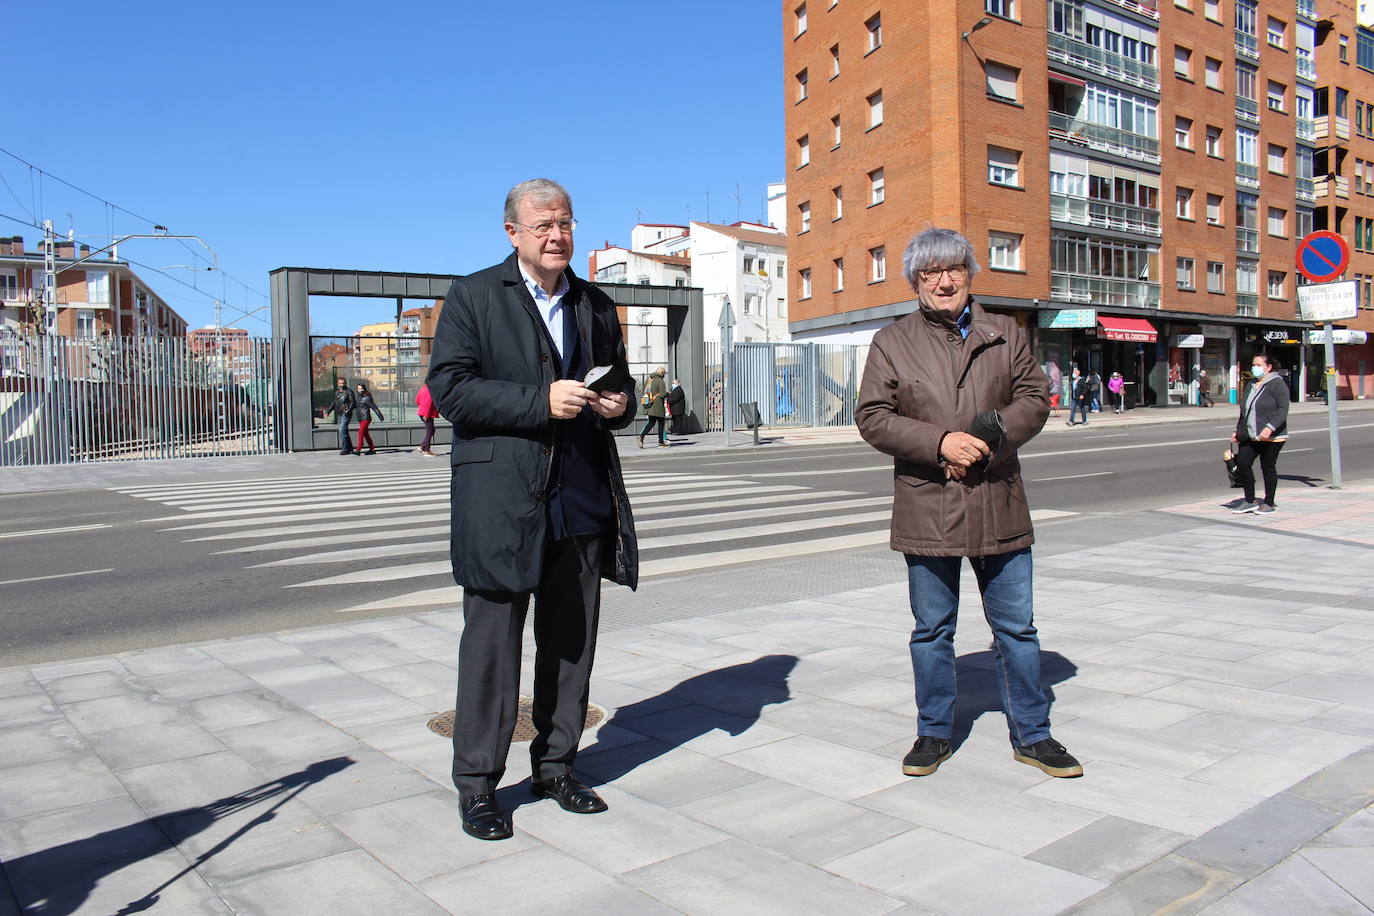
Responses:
[1217,680]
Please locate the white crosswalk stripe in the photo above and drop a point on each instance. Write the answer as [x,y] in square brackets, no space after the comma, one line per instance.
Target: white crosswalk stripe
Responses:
[359,529]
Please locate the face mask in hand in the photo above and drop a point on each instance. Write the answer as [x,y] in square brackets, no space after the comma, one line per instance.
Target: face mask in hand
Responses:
[1257,371]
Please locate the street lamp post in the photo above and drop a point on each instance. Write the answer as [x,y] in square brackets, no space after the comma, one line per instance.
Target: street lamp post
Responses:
[727,354]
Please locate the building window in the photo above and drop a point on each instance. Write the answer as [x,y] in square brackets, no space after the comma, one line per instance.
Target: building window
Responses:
[804,276]
[1278,284]
[1216,277]
[748,303]
[874,27]
[9,285]
[1183,62]
[1214,209]
[1276,33]
[804,212]
[1302,221]
[1183,203]
[1278,222]
[837,202]
[97,287]
[803,152]
[1276,95]
[1247,146]
[1183,271]
[1183,133]
[1004,8]
[1212,10]
[876,193]
[877,264]
[782,305]
[1278,159]
[839,274]
[875,109]
[835,125]
[1247,278]
[748,265]
[834,61]
[1004,251]
[1004,166]
[1213,74]
[800,14]
[85,323]
[1214,142]
[1001,81]
[1344,49]
[801,84]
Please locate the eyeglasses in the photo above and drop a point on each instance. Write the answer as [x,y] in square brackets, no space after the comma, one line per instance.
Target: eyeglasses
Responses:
[542,230]
[956,272]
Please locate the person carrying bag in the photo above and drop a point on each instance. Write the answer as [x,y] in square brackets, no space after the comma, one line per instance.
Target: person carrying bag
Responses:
[1261,432]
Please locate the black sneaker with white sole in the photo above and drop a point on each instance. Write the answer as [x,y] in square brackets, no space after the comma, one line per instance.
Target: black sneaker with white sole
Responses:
[1244,506]
[1050,757]
[925,756]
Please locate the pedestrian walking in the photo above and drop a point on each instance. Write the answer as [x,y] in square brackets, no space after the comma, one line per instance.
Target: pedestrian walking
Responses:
[1261,431]
[342,408]
[1116,385]
[1204,397]
[1095,391]
[654,409]
[1080,391]
[424,406]
[365,409]
[676,402]
[539,508]
[951,391]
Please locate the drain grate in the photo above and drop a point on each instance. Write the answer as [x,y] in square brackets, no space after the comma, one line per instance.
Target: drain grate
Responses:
[442,724]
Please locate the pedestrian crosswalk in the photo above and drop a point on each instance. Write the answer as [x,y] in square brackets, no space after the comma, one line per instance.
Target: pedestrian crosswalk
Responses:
[364,530]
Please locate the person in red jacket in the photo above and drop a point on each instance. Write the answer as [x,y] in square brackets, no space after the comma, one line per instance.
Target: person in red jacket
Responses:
[424,406]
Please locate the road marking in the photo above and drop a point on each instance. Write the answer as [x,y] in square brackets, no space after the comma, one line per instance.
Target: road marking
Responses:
[1294,451]
[451,595]
[24,534]
[1070,477]
[86,572]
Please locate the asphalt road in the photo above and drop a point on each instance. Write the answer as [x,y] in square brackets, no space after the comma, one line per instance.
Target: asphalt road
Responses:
[93,571]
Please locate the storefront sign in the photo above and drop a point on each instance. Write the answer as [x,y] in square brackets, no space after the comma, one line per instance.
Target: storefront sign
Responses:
[1068,318]
[1339,336]
[1130,330]
[1327,301]
[1280,337]
[1191,341]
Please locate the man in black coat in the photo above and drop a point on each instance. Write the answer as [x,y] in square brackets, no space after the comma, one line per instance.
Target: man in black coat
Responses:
[676,402]
[538,501]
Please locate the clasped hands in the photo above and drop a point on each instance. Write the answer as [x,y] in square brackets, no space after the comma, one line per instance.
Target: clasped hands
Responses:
[568,396]
[962,451]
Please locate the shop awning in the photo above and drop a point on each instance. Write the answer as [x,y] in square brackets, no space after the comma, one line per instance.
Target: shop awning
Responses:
[1135,330]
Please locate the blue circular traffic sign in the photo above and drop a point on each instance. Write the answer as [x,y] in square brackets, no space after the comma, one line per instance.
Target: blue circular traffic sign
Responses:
[1323,255]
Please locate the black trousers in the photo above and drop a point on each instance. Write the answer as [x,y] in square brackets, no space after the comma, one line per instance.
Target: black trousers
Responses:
[1268,454]
[649,423]
[567,607]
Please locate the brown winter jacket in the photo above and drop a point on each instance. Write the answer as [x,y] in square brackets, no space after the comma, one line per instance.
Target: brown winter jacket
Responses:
[923,380]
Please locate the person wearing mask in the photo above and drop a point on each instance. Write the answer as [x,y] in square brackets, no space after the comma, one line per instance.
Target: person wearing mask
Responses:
[366,408]
[676,402]
[1080,391]
[1261,431]
[424,406]
[344,404]
[1116,385]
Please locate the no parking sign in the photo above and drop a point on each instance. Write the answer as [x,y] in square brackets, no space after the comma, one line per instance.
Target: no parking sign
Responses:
[1323,255]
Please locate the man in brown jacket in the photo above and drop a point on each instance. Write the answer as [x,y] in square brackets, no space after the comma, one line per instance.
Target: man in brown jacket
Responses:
[932,376]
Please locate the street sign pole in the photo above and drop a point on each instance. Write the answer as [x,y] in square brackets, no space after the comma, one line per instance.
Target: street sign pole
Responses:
[727,353]
[1332,396]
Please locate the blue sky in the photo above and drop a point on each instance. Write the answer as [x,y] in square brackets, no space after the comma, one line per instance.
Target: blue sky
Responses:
[381,136]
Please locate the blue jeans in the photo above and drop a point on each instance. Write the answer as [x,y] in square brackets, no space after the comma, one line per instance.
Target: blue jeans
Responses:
[345,443]
[1078,407]
[1005,583]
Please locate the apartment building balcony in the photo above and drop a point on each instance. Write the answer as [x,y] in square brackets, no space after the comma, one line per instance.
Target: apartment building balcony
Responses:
[1307,9]
[1107,291]
[1247,45]
[1305,190]
[1247,110]
[1146,8]
[1329,127]
[1337,185]
[1100,137]
[1103,214]
[1247,241]
[1247,175]
[1306,129]
[1247,305]
[1080,54]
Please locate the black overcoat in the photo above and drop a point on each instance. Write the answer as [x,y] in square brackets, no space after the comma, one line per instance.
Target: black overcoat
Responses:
[489,374]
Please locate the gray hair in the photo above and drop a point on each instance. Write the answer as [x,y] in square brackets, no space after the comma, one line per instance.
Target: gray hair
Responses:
[540,192]
[937,248]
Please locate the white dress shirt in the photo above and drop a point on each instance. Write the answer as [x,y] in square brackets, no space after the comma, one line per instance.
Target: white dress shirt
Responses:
[550,307]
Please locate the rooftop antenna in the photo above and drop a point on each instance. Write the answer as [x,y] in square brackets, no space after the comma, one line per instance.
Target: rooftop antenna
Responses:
[639,216]
[708,206]
[738,204]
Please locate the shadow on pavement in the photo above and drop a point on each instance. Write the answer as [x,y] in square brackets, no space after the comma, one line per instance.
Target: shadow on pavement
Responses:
[978,693]
[57,881]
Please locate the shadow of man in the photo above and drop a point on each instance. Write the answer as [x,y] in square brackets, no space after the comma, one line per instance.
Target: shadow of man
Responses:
[976,675]
[56,881]
[728,699]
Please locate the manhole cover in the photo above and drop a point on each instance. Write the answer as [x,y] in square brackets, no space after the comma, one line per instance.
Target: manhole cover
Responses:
[442,724]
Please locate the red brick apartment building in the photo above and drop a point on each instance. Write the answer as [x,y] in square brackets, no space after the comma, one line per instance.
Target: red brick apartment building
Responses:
[101,296]
[1134,174]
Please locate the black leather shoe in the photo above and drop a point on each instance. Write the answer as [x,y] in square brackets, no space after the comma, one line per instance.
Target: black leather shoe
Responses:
[483,818]
[570,794]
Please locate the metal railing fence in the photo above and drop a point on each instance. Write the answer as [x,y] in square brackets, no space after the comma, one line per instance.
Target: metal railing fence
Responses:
[66,400]
[794,384]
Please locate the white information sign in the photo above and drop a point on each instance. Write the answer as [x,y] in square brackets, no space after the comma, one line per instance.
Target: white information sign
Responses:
[1337,336]
[1322,302]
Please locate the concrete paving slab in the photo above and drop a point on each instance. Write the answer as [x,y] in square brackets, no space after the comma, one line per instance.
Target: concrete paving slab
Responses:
[1294,886]
[831,769]
[1109,848]
[1348,867]
[1262,836]
[54,784]
[140,745]
[335,884]
[1345,786]
[45,741]
[1172,884]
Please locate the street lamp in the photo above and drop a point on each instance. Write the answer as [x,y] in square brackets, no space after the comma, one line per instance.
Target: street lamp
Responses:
[980,24]
[646,319]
